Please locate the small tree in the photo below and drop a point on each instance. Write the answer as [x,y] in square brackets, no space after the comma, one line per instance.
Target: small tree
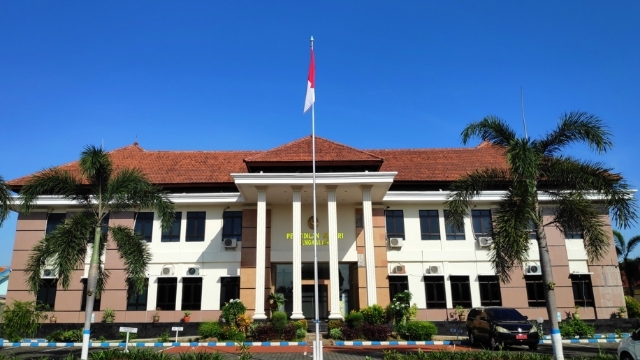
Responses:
[22,319]
[628,265]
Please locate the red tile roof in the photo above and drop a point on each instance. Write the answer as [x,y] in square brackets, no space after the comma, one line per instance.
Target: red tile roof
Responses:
[215,167]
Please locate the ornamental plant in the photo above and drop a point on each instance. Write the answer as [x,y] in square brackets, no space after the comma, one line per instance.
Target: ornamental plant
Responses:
[374,315]
[399,309]
[231,311]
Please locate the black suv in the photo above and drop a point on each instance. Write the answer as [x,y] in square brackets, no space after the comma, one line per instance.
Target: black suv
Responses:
[501,326]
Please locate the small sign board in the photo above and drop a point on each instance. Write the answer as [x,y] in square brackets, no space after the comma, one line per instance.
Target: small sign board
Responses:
[128,329]
[176,328]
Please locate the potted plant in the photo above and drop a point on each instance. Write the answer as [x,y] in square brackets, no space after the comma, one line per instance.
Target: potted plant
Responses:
[187,316]
[575,313]
[156,316]
[277,301]
[108,315]
[622,312]
[460,312]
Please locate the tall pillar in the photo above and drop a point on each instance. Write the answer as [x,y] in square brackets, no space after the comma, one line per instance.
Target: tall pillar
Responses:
[297,253]
[334,272]
[367,218]
[261,235]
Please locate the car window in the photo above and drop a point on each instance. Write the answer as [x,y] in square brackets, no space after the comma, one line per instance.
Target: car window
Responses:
[505,314]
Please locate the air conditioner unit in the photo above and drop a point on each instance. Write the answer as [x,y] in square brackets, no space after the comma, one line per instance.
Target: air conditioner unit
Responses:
[533,269]
[229,242]
[396,242]
[433,270]
[485,241]
[167,270]
[49,273]
[398,269]
[193,271]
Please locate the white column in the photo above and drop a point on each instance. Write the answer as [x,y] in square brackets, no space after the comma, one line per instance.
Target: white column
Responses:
[297,253]
[260,252]
[367,218]
[334,272]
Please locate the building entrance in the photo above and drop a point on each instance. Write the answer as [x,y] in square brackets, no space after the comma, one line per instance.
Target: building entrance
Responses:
[282,275]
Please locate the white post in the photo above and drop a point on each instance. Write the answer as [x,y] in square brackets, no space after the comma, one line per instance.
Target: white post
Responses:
[259,313]
[126,344]
[297,254]
[334,271]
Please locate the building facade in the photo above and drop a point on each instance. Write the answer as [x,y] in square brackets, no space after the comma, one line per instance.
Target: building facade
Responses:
[244,228]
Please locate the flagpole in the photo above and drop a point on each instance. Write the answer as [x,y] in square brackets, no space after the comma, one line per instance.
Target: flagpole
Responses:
[317,355]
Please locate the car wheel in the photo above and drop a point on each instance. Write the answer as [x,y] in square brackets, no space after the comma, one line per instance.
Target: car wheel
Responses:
[494,345]
[533,347]
[472,338]
[626,356]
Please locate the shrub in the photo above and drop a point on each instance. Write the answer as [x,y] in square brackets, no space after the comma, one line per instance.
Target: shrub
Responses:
[301,334]
[419,330]
[243,322]
[231,310]
[65,336]
[354,320]
[164,337]
[576,327]
[633,307]
[232,334]
[374,315]
[335,334]
[209,330]
[123,336]
[264,332]
[334,324]
[22,319]
[289,332]
[302,324]
[376,332]
[279,320]
[349,333]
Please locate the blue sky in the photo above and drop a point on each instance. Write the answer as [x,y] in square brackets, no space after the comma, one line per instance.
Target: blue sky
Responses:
[230,75]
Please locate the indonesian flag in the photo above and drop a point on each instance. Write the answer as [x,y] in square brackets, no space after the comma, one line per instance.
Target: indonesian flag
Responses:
[311,85]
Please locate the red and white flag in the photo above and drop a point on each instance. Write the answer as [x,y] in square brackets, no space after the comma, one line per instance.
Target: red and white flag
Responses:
[311,85]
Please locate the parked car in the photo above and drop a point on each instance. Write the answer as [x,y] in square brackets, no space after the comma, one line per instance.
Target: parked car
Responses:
[629,347]
[500,327]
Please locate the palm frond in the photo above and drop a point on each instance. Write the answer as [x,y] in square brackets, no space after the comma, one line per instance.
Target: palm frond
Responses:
[96,166]
[36,263]
[491,129]
[103,274]
[5,201]
[576,127]
[619,242]
[135,254]
[129,189]
[523,161]
[468,187]
[68,242]
[632,244]
[51,181]
[565,173]
[510,245]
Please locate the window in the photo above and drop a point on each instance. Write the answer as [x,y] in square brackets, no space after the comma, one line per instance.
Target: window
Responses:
[434,288]
[460,291]
[481,222]
[582,290]
[232,225]
[144,225]
[173,235]
[395,224]
[229,289]
[572,233]
[191,293]
[47,293]
[453,233]
[535,290]
[489,291]
[397,284]
[135,301]
[166,297]
[53,220]
[533,228]
[96,301]
[195,226]
[429,224]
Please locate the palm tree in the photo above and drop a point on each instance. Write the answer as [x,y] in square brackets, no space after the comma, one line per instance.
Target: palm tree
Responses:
[99,190]
[629,266]
[5,201]
[581,192]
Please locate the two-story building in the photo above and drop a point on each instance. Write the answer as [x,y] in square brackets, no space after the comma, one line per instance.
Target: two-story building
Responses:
[244,228]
